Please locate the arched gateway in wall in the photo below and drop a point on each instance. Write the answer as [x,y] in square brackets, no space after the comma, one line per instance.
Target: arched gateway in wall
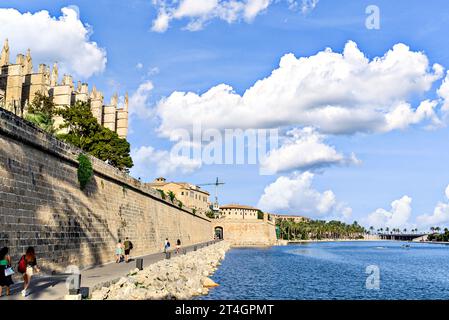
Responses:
[219,232]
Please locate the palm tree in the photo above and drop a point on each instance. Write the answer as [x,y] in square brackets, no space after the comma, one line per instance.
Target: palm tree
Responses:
[432,229]
[405,230]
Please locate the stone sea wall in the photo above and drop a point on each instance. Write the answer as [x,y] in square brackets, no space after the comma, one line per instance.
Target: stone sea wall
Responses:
[41,204]
[247,232]
[181,277]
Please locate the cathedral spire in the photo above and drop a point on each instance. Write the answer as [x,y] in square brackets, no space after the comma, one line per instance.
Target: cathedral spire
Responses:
[28,63]
[54,75]
[114,100]
[126,102]
[4,57]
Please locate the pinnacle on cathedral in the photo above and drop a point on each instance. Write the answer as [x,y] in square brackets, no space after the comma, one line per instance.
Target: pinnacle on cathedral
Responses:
[19,84]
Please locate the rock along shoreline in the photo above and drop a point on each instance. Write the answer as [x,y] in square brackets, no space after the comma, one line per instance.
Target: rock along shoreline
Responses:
[182,277]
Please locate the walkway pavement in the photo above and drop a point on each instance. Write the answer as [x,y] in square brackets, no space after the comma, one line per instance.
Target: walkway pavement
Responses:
[54,288]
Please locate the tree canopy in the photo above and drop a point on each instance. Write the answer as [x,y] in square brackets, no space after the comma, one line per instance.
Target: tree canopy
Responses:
[84,131]
[42,104]
[41,112]
[317,229]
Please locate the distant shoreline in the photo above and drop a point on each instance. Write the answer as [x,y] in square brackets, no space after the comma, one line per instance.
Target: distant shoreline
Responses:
[286,242]
[335,240]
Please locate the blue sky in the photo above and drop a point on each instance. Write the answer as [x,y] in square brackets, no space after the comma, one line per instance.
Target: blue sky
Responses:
[409,161]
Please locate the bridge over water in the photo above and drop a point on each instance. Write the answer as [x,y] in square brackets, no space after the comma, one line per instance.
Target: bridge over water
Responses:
[402,236]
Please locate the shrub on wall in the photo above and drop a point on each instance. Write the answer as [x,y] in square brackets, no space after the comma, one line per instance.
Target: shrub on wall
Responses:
[172,196]
[85,170]
[162,193]
[210,214]
[180,204]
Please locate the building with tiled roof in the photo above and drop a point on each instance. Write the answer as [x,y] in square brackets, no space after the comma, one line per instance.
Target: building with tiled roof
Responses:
[189,194]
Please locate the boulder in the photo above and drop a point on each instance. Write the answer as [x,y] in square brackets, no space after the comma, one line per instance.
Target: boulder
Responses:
[209,283]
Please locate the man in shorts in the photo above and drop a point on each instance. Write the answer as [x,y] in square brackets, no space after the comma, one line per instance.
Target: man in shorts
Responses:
[128,247]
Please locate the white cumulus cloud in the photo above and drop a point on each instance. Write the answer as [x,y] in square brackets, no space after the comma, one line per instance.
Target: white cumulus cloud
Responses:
[161,23]
[443,93]
[304,149]
[65,39]
[161,162]
[440,214]
[397,217]
[199,12]
[139,101]
[337,93]
[402,115]
[295,194]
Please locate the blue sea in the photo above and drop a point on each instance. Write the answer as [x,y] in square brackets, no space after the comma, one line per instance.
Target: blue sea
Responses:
[335,270]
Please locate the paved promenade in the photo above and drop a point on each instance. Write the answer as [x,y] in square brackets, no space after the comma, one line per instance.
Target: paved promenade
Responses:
[54,288]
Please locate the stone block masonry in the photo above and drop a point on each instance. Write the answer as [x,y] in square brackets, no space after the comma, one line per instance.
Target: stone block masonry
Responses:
[41,204]
[248,232]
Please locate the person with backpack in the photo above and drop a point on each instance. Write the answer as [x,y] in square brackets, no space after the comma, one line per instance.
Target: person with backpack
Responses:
[6,271]
[28,266]
[128,247]
[178,246]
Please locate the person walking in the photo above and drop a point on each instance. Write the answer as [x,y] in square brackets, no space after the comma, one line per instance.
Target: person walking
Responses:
[28,266]
[178,245]
[6,271]
[166,245]
[118,251]
[128,247]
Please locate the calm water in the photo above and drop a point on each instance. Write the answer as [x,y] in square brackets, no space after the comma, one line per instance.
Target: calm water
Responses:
[334,270]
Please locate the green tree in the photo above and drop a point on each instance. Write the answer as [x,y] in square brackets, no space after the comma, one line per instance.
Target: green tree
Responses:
[42,121]
[42,104]
[85,132]
[313,229]
[108,146]
[41,112]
